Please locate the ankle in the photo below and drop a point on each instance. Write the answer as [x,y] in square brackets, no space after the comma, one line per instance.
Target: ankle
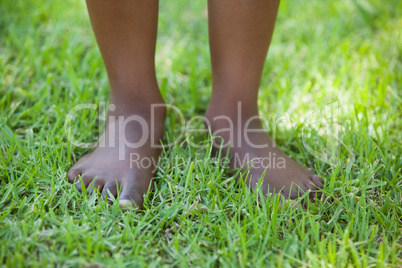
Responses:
[236,110]
[136,97]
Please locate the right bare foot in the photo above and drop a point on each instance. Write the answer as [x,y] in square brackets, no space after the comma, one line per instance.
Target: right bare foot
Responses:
[125,157]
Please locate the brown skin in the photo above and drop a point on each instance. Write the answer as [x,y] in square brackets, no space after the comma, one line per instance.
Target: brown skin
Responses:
[126,35]
[240,34]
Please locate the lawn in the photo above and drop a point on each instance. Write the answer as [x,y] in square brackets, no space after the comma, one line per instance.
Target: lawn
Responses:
[346,55]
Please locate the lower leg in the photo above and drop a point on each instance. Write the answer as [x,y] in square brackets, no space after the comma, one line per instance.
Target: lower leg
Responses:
[240,34]
[126,35]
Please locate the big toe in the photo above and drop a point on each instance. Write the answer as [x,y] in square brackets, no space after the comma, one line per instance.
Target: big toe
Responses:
[131,197]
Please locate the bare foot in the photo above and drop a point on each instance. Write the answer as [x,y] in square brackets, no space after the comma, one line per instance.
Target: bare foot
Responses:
[125,157]
[252,150]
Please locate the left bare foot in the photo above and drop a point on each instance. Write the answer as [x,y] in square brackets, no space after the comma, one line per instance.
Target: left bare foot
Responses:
[252,150]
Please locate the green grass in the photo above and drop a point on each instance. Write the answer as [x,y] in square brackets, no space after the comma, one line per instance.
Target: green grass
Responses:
[349,52]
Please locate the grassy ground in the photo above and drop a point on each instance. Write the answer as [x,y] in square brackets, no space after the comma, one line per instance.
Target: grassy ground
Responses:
[346,53]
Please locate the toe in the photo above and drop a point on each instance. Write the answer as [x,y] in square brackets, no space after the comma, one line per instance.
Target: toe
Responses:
[315,184]
[109,190]
[317,181]
[73,175]
[294,192]
[95,186]
[127,203]
[83,182]
[131,196]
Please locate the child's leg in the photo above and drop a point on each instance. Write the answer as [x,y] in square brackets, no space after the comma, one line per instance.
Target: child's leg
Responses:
[126,35]
[240,34]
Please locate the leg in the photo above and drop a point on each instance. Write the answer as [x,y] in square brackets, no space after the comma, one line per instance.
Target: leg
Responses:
[126,35]
[240,33]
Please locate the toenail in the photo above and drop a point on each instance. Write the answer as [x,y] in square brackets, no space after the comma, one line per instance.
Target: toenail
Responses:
[125,203]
